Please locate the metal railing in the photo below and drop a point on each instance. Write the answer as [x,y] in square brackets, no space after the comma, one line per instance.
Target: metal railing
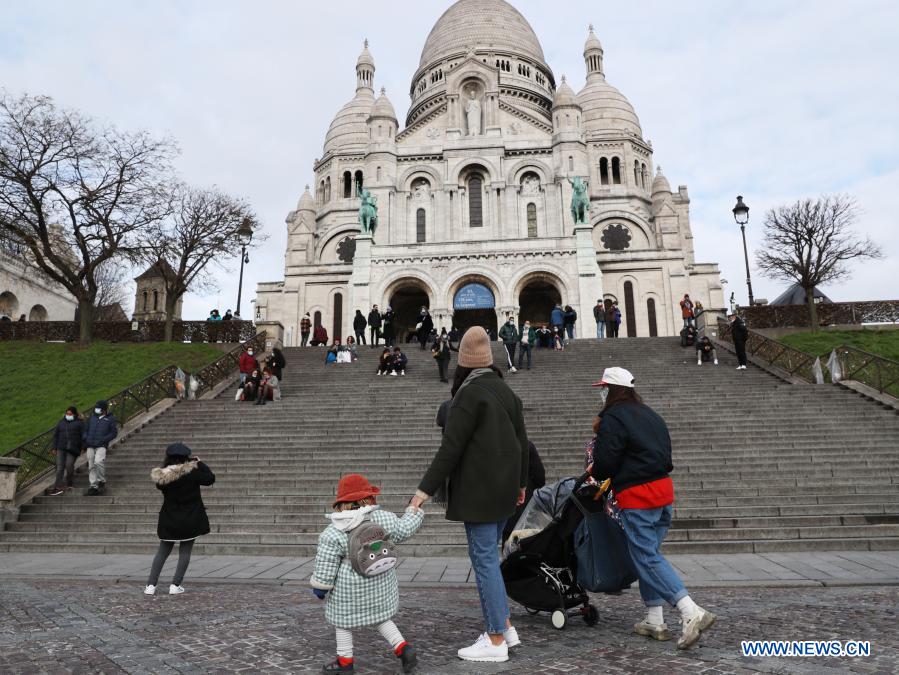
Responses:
[871,370]
[37,453]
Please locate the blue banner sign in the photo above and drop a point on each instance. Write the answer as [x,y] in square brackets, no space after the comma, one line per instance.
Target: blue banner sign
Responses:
[474,296]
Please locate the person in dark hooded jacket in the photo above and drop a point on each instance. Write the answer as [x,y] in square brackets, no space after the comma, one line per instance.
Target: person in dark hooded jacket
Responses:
[68,443]
[99,432]
[359,324]
[182,517]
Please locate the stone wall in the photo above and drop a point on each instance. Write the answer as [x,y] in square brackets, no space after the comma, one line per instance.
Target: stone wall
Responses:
[121,331]
[776,316]
[26,290]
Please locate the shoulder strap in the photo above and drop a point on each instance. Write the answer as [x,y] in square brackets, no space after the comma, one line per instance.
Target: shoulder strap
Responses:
[493,393]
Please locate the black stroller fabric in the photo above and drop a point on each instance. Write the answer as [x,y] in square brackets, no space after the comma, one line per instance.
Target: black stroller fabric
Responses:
[603,562]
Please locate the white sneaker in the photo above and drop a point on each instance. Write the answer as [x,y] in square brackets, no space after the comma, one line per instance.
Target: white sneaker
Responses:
[176,590]
[393,372]
[699,363]
[150,590]
[380,373]
[694,626]
[510,635]
[485,651]
[652,630]
[513,369]
[403,373]
[716,362]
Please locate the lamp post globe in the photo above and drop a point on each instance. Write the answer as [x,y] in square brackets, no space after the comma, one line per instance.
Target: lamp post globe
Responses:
[244,237]
[741,216]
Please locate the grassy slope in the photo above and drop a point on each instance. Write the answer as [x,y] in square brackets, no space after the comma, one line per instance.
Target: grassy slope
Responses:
[39,380]
[881,342]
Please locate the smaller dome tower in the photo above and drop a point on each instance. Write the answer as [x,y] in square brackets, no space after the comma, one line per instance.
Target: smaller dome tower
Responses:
[365,69]
[382,120]
[593,56]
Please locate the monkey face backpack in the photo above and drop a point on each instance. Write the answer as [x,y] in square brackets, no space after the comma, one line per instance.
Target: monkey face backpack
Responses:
[369,550]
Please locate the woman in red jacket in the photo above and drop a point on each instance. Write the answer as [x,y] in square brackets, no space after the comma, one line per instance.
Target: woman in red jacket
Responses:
[633,448]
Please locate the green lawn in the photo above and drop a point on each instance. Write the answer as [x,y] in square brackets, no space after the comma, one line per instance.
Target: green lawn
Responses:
[39,380]
[881,342]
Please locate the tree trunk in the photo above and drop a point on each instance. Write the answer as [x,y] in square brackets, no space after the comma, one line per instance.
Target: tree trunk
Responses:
[85,321]
[170,303]
[812,308]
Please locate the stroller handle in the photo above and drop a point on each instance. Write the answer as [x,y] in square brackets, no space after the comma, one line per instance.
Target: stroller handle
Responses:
[579,483]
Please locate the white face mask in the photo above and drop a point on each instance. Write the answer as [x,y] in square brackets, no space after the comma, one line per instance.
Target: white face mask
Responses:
[99,411]
[70,417]
[250,352]
[603,395]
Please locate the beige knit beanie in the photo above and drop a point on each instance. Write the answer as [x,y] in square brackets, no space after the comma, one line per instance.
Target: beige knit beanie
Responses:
[474,350]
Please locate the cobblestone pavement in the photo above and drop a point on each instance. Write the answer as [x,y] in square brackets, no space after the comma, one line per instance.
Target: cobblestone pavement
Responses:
[58,626]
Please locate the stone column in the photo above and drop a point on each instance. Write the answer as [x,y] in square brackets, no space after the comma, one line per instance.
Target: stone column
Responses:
[274,334]
[360,279]
[9,467]
[589,277]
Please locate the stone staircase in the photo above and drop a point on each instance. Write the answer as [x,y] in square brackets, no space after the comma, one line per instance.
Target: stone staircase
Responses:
[760,465]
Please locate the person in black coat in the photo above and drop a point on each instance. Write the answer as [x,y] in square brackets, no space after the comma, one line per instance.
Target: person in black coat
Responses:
[740,334]
[389,331]
[182,517]
[68,443]
[425,326]
[536,480]
[359,324]
[441,350]
[276,363]
[374,325]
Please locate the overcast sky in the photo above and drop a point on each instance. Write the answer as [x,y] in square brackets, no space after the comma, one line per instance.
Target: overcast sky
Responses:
[772,100]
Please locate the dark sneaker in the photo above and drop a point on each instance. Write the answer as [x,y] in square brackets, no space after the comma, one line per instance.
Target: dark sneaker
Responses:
[55,491]
[101,488]
[91,492]
[336,667]
[408,658]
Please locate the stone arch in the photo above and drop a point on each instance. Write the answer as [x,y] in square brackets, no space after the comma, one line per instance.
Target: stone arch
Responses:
[644,240]
[479,274]
[536,293]
[422,171]
[540,270]
[333,236]
[405,295]
[464,169]
[486,317]
[9,304]
[38,313]
[515,174]
[390,284]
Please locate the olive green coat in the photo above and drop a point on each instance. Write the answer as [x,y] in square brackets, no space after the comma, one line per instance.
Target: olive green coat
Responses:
[484,452]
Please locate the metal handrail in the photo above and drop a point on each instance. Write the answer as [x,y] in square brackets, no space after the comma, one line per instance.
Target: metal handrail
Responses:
[874,371]
[37,452]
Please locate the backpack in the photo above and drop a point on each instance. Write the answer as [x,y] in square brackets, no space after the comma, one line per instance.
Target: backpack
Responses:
[369,550]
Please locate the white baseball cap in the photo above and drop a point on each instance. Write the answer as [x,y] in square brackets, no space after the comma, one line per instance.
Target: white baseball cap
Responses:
[619,376]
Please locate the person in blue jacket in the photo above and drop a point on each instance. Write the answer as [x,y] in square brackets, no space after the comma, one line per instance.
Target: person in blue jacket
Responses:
[99,432]
[557,319]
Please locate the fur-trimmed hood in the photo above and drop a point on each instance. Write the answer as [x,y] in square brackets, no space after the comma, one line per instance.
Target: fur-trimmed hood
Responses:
[169,474]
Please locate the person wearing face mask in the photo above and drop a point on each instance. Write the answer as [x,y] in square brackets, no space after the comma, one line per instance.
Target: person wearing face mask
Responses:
[509,335]
[633,448]
[247,365]
[68,443]
[528,339]
[99,432]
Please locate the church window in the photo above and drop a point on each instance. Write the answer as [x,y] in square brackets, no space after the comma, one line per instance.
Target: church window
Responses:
[145,301]
[359,183]
[347,184]
[604,171]
[630,319]
[616,171]
[532,220]
[155,301]
[328,189]
[317,319]
[636,173]
[651,317]
[616,238]
[475,201]
[420,226]
[570,163]
[643,176]
[346,249]
[338,316]
[321,192]
[378,174]
[567,120]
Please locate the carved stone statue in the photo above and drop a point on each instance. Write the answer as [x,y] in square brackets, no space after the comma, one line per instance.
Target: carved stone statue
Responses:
[473,113]
[368,210]
[580,203]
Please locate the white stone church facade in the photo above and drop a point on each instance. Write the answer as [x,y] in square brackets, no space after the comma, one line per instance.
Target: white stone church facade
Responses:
[473,196]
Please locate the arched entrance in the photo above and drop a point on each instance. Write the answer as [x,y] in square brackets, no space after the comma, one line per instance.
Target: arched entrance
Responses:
[537,299]
[474,305]
[406,302]
[38,313]
[9,304]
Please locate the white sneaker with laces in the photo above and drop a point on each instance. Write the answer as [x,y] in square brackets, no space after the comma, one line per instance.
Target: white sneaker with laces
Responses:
[510,635]
[485,651]
[393,372]
[150,590]
[694,626]
[716,362]
[514,369]
[176,590]
[403,373]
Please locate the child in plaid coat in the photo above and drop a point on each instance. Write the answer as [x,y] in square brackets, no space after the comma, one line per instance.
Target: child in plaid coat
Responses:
[354,600]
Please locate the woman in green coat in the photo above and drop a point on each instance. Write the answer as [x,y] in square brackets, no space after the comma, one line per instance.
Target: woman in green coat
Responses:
[483,464]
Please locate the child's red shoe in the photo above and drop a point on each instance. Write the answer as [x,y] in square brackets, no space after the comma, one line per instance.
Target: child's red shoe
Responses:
[339,665]
[406,653]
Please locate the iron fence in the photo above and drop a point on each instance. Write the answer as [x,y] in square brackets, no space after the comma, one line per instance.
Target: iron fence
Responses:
[124,331]
[37,453]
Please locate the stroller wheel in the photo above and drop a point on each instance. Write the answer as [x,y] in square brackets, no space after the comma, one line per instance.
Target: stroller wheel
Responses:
[591,616]
[558,619]
[530,611]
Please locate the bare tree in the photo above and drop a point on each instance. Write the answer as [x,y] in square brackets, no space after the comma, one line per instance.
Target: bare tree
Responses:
[201,233]
[811,242]
[112,281]
[75,195]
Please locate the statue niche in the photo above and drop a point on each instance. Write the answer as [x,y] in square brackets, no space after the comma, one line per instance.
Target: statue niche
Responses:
[473,113]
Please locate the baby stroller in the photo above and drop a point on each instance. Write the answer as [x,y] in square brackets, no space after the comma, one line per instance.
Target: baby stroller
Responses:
[540,563]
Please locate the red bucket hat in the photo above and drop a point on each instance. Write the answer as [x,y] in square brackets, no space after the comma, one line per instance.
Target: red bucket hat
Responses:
[354,487]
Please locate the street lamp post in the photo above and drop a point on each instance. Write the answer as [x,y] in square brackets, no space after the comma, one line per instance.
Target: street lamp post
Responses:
[244,236]
[741,215]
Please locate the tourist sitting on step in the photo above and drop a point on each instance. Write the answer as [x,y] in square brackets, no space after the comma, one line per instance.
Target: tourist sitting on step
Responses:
[250,387]
[385,362]
[687,336]
[544,337]
[398,362]
[705,350]
[352,349]
[269,388]
[333,351]
[633,449]
[247,364]
[319,336]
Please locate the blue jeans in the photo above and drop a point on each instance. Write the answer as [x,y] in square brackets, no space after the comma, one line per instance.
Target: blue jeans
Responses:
[600,330]
[525,348]
[645,530]
[569,328]
[483,550]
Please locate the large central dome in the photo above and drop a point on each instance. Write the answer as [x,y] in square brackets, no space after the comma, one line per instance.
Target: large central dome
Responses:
[481,24]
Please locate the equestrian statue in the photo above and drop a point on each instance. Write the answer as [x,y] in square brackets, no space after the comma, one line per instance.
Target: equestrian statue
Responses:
[368,210]
[580,203]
